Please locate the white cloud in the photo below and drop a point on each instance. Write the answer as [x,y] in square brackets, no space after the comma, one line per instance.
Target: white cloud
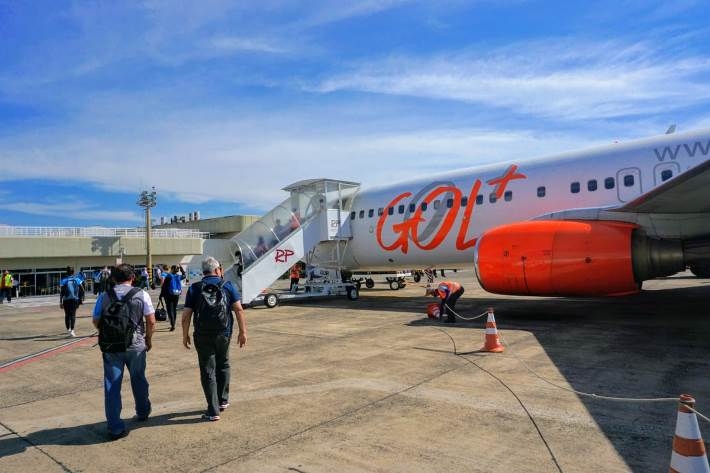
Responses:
[249,161]
[73,210]
[564,80]
[231,44]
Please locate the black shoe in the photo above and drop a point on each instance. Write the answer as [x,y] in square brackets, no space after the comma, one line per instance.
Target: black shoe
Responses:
[143,417]
[119,435]
[172,329]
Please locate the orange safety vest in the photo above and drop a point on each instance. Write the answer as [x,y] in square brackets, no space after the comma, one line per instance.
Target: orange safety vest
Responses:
[295,272]
[452,287]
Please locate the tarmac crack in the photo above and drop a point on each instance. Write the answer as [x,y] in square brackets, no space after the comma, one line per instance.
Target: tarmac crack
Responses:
[335,419]
[32,444]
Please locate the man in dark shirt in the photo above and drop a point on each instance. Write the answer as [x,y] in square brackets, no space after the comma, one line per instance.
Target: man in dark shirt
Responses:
[213,347]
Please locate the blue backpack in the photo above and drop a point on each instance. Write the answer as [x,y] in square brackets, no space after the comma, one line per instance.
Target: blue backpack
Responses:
[72,286]
[175,285]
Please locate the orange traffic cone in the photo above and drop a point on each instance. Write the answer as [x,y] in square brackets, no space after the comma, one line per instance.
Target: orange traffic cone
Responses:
[492,341]
[432,310]
[688,454]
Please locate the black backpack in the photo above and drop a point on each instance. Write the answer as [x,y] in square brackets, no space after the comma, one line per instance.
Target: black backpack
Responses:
[212,309]
[116,328]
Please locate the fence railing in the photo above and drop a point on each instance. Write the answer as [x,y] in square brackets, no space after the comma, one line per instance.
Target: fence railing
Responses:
[88,232]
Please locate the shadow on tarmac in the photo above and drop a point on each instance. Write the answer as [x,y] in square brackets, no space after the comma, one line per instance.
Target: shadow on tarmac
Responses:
[89,434]
[650,345]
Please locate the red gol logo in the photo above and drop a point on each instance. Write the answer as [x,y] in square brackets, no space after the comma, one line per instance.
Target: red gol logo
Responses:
[281,256]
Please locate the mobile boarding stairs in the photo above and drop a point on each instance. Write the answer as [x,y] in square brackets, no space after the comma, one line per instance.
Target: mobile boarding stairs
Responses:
[313,224]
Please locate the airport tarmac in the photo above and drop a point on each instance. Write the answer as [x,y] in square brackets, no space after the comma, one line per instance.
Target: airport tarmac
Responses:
[374,386]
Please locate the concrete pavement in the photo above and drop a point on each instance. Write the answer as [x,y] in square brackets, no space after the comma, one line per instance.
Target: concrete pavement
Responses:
[374,386]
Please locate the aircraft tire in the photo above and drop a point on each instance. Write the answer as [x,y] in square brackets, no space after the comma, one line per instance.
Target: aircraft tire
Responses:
[353,293]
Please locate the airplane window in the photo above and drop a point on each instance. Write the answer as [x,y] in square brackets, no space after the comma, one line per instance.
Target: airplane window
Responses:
[541,191]
[352,215]
[412,208]
[401,209]
[492,198]
[628,180]
[479,199]
[390,210]
[362,214]
[370,213]
[449,203]
[574,187]
[437,204]
[424,206]
[592,185]
[508,196]
[380,211]
[464,201]
[609,183]
[666,174]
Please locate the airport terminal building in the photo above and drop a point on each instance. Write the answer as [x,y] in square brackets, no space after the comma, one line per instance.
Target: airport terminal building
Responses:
[37,257]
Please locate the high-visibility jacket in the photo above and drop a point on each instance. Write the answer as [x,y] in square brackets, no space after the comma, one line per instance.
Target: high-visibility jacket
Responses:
[446,288]
[295,272]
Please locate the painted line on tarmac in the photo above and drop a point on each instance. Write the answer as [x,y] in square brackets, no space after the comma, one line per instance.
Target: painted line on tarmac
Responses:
[14,364]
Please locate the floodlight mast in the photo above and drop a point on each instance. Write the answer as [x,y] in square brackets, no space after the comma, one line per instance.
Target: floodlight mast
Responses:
[148,200]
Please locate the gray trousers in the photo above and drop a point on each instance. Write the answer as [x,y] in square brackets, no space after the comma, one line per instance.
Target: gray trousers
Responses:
[213,357]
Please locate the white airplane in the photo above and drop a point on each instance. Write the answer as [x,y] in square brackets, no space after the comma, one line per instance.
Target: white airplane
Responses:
[595,222]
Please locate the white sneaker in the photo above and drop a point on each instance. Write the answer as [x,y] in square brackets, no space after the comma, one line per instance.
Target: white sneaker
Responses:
[71,332]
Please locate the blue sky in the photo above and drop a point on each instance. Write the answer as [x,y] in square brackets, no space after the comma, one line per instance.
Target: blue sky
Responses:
[221,104]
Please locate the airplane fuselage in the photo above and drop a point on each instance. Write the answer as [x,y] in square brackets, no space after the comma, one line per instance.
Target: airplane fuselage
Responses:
[437,220]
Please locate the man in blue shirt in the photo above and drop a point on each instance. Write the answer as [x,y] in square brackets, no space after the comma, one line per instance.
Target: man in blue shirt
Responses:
[71,295]
[212,345]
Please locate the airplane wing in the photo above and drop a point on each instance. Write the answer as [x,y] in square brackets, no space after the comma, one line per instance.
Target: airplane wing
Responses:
[679,208]
[687,193]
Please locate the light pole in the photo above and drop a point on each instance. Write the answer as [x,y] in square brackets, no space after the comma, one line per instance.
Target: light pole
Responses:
[148,200]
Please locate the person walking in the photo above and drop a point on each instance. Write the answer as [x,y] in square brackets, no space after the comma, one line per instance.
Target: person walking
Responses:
[125,319]
[170,291]
[449,292]
[71,296]
[212,302]
[144,279]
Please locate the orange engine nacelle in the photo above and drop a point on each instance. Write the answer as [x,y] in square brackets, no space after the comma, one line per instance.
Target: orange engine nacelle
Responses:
[558,258]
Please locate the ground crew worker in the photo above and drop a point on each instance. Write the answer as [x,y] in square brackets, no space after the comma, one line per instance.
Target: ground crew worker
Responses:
[6,286]
[295,275]
[449,292]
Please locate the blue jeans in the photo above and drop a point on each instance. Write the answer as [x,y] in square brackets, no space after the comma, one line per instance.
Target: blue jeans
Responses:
[113,375]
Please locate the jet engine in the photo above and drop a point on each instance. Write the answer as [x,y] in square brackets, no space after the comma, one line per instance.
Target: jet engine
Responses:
[572,258]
